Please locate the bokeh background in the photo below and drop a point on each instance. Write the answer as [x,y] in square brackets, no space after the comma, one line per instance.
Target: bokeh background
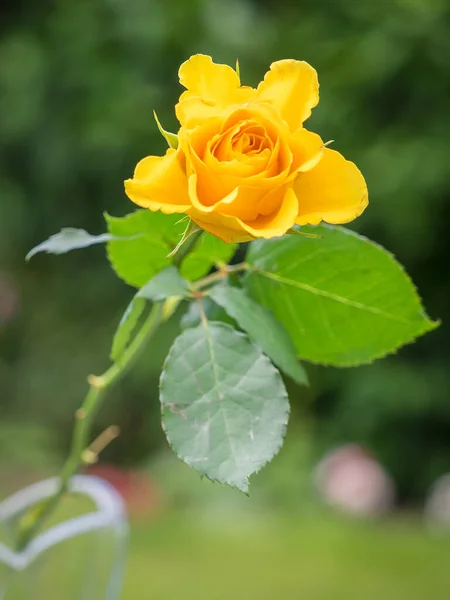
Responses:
[78,83]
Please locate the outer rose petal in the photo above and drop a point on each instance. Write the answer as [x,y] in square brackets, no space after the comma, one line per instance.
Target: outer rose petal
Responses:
[210,87]
[277,223]
[202,77]
[307,150]
[226,228]
[231,229]
[193,110]
[292,87]
[334,191]
[160,183]
[241,202]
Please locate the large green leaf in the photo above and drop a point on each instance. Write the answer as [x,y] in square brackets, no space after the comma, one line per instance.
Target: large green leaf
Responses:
[224,404]
[262,328]
[343,299]
[140,258]
[153,236]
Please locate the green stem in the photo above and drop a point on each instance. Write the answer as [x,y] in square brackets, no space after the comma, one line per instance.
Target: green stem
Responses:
[80,453]
[33,521]
[219,275]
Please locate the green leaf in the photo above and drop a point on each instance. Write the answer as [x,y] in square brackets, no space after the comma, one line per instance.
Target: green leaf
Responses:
[262,328]
[343,299]
[140,258]
[224,404]
[68,239]
[153,236]
[171,138]
[163,285]
[126,326]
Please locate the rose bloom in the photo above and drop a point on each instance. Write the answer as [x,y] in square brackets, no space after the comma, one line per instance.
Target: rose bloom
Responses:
[245,167]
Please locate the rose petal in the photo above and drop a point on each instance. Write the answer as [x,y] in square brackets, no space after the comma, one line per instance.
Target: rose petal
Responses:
[231,229]
[277,223]
[202,77]
[334,191]
[210,88]
[292,87]
[226,228]
[307,150]
[242,203]
[160,183]
[215,180]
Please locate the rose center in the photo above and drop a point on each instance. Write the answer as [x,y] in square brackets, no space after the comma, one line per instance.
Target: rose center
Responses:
[250,141]
[241,142]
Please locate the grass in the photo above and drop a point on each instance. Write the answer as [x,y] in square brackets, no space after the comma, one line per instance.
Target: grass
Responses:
[322,558]
[209,555]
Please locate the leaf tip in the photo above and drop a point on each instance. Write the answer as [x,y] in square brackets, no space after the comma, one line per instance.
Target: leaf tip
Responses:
[171,138]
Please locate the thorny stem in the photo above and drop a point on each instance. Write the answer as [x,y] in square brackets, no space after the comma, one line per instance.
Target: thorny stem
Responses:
[80,452]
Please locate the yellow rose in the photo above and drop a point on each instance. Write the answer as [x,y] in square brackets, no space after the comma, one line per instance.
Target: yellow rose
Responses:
[245,166]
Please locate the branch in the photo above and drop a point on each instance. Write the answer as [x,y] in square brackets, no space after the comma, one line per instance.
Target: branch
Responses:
[32,521]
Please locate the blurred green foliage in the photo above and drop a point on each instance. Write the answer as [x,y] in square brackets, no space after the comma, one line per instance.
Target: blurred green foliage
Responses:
[78,82]
[255,557]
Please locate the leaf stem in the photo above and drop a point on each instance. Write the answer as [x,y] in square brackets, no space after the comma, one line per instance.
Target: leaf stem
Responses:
[219,275]
[33,521]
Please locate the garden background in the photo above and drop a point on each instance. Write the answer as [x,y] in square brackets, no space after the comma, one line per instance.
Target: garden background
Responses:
[78,83]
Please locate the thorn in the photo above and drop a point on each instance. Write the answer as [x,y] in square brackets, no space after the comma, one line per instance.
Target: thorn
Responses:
[96,382]
[90,455]
[89,458]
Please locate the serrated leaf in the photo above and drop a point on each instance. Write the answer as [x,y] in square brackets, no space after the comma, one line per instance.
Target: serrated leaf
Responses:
[163,285]
[68,239]
[224,405]
[153,236]
[262,328]
[137,261]
[126,326]
[343,299]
